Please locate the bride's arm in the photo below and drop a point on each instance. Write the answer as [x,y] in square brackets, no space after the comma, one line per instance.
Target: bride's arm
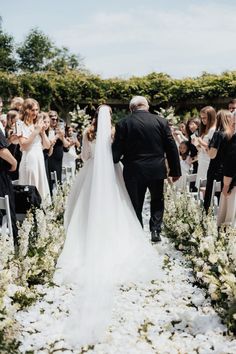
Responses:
[85,149]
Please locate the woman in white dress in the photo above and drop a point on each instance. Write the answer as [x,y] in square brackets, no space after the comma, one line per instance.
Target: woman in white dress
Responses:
[105,245]
[32,142]
[207,129]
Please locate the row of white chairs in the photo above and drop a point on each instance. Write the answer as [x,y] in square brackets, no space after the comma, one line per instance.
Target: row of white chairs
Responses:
[67,176]
[199,194]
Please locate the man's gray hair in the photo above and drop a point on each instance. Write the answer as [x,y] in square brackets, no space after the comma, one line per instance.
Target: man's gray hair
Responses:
[138,102]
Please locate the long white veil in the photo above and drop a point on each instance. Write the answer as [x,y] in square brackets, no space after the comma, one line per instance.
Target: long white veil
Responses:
[91,308]
[105,243]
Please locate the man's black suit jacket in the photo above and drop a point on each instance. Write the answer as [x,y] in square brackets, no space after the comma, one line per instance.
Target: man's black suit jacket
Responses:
[142,141]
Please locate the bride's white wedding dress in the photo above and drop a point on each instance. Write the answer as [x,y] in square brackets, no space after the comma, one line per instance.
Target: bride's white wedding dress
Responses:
[105,244]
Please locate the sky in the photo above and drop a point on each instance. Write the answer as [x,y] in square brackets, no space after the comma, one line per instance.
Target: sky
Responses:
[124,38]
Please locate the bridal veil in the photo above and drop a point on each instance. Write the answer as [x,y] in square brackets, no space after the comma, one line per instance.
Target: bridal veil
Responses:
[105,245]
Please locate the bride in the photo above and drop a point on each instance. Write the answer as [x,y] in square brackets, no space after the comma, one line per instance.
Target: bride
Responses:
[105,244]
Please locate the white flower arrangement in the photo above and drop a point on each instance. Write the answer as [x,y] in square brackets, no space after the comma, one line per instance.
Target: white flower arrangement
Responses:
[79,117]
[212,254]
[169,114]
[41,237]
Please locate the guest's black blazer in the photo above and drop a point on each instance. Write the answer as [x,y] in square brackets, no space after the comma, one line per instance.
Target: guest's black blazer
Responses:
[142,141]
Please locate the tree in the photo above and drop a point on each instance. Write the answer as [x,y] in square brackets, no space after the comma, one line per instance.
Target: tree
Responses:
[39,53]
[64,61]
[7,60]
[36,51]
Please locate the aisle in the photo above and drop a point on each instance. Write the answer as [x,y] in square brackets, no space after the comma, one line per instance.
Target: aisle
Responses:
[171,316]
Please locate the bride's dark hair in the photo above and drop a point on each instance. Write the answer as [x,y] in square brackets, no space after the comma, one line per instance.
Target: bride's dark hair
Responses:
[92,129]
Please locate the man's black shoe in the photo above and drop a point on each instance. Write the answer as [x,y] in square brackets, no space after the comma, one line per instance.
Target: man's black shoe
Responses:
[155,236]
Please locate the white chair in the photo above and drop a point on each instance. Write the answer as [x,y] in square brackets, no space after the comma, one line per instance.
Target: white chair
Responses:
[201,191]
[214,200]
[55,182]
[190,178]
[6,227]
[67,174]
[63,174]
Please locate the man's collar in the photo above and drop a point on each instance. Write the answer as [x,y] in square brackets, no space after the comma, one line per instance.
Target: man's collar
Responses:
[140,111]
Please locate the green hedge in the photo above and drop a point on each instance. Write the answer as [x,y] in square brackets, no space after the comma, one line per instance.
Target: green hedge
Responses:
[64,92]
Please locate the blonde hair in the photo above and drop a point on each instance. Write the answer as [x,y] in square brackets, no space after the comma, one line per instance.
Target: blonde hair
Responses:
[12,114]
[28,105]
[224,122]
[17,103]
[211,119]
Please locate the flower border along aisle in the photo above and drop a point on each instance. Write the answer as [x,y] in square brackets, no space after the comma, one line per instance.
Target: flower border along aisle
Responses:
[41,237]
[212,254]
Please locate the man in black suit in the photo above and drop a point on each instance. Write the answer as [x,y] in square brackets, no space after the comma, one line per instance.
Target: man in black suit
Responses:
[142,141]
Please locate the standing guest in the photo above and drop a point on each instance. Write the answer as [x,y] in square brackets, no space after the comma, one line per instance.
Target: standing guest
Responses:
[13,131]
[47,151]
[33,140]
[1,107]
[3,120]
[192,130]
[70,153]
[141,141]
[217,151]
[7,164]
[179,134]
[232,105]
[182,128]
[57,137]
[207,129]
[185,163]
[227,207]
[17,103]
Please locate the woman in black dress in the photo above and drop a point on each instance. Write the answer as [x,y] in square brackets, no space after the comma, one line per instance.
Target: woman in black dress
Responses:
[217,152]
[7,164]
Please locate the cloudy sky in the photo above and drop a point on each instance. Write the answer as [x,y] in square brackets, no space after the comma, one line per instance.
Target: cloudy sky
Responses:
[127,37]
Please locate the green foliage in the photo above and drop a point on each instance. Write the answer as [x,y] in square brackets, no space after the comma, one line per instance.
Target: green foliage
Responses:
[38,53]
[7,61]
[8,347]
[23,299]
[35,52]
[64,61]
[63,92]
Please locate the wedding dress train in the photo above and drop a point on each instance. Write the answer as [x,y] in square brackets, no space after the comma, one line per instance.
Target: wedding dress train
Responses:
[105,245]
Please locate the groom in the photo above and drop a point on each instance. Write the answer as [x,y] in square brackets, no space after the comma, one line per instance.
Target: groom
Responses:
[142,141]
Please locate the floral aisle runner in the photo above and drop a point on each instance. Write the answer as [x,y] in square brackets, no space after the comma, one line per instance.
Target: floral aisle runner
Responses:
[171,316]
